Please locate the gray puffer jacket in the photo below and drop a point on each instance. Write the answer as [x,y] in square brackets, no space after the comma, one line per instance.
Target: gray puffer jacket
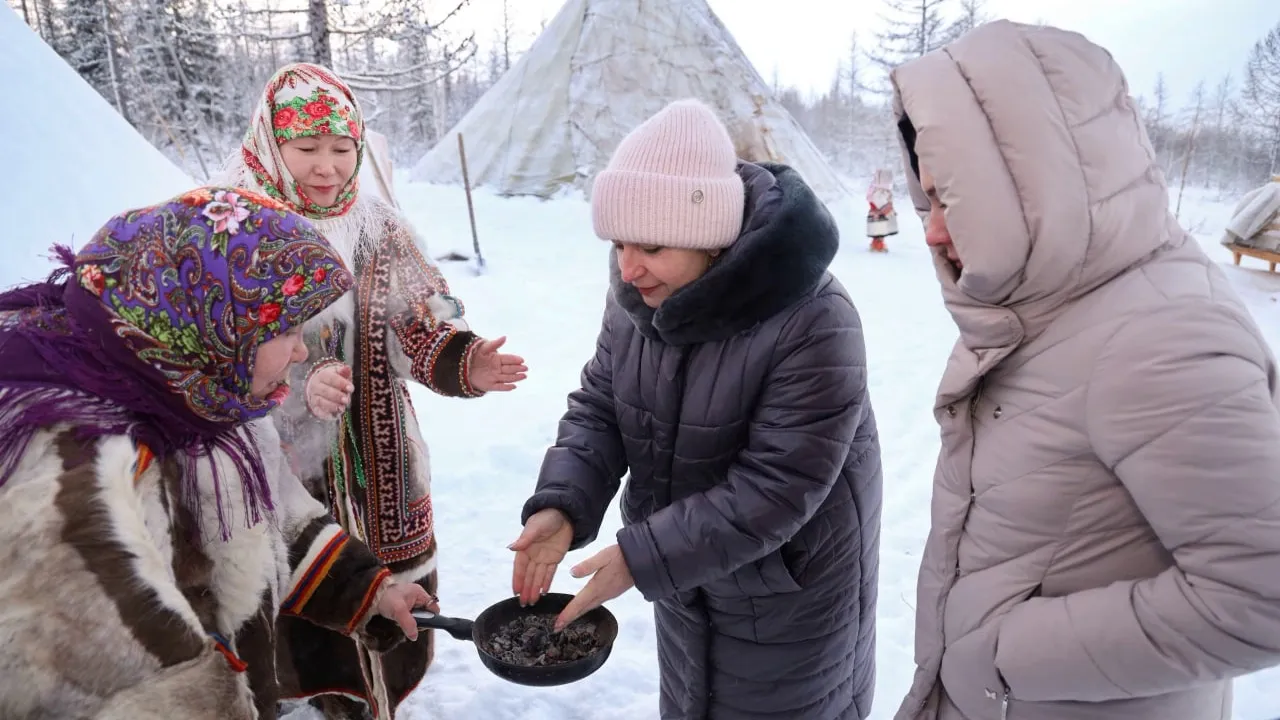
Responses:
[752,514]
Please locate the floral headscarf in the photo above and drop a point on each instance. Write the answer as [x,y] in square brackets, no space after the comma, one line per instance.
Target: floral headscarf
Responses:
[302,100]
[242,270]
[155,331]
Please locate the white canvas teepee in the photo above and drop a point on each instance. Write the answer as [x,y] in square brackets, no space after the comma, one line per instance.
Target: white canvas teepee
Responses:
[598,70]
[70,160]
[376,172]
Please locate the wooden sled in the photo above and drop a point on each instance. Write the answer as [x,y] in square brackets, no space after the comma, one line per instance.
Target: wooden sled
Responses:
[1269,256]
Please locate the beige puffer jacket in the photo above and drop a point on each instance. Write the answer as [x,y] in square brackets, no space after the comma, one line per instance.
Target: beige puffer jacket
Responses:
[1105,537]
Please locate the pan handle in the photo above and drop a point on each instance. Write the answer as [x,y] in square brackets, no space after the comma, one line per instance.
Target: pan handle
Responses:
[459,628]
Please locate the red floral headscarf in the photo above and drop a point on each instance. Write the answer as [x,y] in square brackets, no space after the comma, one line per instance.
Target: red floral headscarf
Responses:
[302,100]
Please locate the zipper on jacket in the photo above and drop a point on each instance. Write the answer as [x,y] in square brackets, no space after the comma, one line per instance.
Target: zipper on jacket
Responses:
[1004,701]
[977,398]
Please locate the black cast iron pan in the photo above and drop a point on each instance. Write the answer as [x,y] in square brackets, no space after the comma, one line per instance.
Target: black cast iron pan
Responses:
[495,616]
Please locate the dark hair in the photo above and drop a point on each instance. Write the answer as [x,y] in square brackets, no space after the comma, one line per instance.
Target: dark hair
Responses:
[909,138]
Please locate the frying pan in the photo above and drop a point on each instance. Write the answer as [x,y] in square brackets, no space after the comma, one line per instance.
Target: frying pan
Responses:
[495,616]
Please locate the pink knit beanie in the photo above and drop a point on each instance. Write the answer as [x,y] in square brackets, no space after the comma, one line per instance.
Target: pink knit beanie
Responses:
[672,182]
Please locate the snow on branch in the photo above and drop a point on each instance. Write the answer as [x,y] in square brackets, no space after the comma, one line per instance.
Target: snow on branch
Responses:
[454,60]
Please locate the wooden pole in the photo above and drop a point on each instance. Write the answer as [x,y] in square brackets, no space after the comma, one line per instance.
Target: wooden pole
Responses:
[471,210]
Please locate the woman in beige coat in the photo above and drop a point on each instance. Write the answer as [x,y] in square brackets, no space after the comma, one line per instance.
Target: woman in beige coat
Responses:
[1105,537]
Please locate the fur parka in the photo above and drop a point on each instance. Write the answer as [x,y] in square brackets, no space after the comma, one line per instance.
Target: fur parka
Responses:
[119,601]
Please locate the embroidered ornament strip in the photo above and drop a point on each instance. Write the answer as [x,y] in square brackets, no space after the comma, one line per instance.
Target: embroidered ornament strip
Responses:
[396,526]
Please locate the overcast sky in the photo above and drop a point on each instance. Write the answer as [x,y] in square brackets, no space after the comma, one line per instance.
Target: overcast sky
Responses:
[1188,40]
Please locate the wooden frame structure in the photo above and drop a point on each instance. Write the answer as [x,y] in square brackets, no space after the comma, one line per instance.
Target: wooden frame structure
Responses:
[1271,257]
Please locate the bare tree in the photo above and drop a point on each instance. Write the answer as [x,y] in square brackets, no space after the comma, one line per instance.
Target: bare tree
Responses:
[113,57]
[1218,139]
[1260,96]
[46,17]
[318,24]
[972,14]
[1196,112]
[914,27]
[1155,116]
[506,35]
[850,75]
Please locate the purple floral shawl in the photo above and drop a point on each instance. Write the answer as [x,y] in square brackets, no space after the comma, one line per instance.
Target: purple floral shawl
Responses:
[152,330]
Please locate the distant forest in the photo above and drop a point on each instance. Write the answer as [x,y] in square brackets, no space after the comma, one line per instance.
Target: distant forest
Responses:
[186,74]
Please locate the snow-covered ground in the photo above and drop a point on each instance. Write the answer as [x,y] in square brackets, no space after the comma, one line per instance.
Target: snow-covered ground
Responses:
[544,288]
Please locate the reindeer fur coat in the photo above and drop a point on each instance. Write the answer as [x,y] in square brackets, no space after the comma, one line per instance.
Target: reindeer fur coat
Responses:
[111,608]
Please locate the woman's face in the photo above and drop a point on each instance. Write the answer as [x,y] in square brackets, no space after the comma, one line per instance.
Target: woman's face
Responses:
[322,165]
[274,360]
[936,233]
[657,272]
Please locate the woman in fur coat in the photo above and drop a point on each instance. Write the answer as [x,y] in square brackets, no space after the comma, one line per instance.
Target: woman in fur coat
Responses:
[150,530]
[304,148]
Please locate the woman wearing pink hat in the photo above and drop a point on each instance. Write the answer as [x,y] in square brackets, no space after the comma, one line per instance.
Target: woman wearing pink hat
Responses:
[730,381]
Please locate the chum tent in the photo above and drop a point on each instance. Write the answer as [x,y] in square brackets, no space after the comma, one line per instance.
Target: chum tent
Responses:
[377,172]
[71,160]
[599,69]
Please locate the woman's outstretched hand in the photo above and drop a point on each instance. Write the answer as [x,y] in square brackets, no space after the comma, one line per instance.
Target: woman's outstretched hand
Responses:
[539,550]
[610,577]
[491,370]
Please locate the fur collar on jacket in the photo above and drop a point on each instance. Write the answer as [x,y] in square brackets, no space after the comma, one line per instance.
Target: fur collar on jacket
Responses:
[788,239]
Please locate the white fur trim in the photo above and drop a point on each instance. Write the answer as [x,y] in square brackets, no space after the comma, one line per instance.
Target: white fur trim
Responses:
[114,472]
[416,572]
[244,565]
[313,554]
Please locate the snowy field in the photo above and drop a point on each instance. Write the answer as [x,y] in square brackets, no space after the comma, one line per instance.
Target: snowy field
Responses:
[544,288]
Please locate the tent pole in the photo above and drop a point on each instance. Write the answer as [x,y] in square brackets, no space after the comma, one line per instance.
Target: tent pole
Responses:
[471,210]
